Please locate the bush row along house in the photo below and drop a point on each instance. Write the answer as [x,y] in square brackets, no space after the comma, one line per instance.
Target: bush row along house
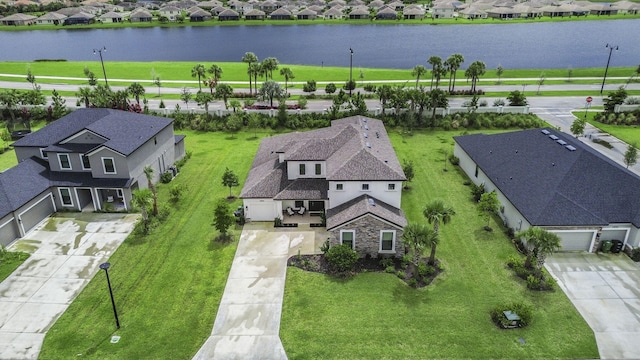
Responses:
[549,179]
[89,160]
[347,172]
[311,10]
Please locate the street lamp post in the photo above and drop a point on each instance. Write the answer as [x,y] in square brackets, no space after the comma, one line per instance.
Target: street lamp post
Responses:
[611,48]
[99,51]
[105,267]
[350,71]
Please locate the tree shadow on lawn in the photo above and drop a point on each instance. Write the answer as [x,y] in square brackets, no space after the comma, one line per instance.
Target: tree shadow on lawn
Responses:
[409,296]
[483,235]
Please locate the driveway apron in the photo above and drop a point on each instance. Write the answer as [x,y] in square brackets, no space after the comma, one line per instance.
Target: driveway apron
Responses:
[247,324]
[66,251]
[605,288]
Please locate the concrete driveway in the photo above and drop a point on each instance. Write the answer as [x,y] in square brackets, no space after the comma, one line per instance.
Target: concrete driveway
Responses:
[66,251]
[605,288]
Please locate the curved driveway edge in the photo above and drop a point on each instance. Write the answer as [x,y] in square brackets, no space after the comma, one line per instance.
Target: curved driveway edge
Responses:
[605,288]
[247,324]
[66,251]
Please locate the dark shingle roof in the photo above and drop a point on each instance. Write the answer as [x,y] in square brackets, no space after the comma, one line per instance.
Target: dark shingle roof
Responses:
[363,205]
[125,131]
[22,183]
[553,186]
[304,189]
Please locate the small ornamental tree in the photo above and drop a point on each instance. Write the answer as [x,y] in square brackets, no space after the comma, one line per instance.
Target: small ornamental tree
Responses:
[223,219]
[407,168]
[577,127]
[614,98]
[330,88]
[517,98]
[631,155]
[229,179]
[488,205]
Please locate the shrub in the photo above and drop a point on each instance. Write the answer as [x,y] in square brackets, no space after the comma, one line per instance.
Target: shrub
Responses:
[166,177]
[401,274]
[635,254]
[302,103]
[330,88]
[524,311]
[533,282]
[369,88]
[515,261]
[341,258]
[386,262]
[412,282]
[406,260]
[498,102]
[277,222]
[325,246]
[477,191]
[176,192]
[454,160]
[390,269]
[310,86]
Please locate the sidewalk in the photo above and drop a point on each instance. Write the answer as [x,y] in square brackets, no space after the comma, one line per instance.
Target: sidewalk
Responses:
[247,324]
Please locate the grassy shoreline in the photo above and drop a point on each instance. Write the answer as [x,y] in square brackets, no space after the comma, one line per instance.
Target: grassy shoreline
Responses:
[267,22]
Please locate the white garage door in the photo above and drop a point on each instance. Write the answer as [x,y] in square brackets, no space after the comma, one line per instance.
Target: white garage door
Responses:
[36,213]
[8,232]
[576,241]
[261,212]
[613,234]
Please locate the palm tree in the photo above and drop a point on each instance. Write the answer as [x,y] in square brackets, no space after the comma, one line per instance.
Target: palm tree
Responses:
[271,89]
[418,71]
[541,243]
[474,71]
[224,92]
[148,173]
[142,199]
[453,63]
[414,236]
[437,212]
[269,64]
[437,98]
[249,58]
[199,71]
[288,75]
[432,240]
[136,90]
[85,94]
[436,63]
[384,92]
[203,99]
[216,74]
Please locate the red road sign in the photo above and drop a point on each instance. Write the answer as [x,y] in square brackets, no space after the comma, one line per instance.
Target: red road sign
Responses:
[589,99]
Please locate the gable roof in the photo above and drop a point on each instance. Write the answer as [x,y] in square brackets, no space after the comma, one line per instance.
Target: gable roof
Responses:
[15,191]
[361,206]
[552,185]
[125,131]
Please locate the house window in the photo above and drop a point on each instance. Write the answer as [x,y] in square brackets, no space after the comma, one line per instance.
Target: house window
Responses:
[85,162]
[65,196]
[318,169]
[303,170]
[476,174]
[109,165]
[119,193]
[43,154]
[387,240]
[391,187]
[63,159]
[339,187]
[365,187]
[347,237]
[299,204]
[155,140]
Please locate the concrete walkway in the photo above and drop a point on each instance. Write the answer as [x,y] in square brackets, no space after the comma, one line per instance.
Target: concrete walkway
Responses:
[605,289]
[66,251]
[247,324]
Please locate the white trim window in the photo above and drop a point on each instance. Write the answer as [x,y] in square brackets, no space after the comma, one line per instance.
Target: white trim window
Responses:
[318,169]
[84,160]
[387,241]
[64,161]
[348,237]
[391,187]
[339,187]
[365,187]
[43,154]
[65,197]
[109,165]
[303,169]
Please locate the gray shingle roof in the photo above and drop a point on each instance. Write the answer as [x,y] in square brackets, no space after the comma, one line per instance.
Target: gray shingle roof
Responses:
[304,189]
[553,186]
[348,154]
[363,205]
[125,131]
[22,183]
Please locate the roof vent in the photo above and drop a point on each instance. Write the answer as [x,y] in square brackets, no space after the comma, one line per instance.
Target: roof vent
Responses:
[561,142]
[364,120]
[372,202]
[377,134]
[366,127]
[546,132]
[368,144]
[570,148]
[365,135]
[553,137]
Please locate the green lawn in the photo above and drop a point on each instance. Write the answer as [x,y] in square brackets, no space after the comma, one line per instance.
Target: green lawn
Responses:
[167,285]
[627,133]
[375,315]
[9,261]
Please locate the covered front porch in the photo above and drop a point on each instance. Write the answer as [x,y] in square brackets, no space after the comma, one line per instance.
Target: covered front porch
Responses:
[303,212]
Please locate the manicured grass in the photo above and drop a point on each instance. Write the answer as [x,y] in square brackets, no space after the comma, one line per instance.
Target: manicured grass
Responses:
[7,159]
[375,315]
[627,133]
[9,261]
[167,285]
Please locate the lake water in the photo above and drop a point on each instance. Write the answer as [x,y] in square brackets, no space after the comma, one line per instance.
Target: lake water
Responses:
[514,46]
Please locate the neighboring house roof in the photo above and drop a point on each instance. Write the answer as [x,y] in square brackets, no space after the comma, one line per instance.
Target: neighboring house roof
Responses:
[228,13]
[140,13]
[52,16]
[349,156]
[200,13]
[19,17]
[82,15]
[550,184]
[125,131]
[254,12]
[21,183]
[360,10]
[361,206]
[111,15]
[333,12]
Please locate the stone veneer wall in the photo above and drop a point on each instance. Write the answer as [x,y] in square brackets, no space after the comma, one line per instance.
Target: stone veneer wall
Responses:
[368,236]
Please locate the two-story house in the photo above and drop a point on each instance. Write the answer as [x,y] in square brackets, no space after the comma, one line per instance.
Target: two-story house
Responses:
[90,160]
[347,172]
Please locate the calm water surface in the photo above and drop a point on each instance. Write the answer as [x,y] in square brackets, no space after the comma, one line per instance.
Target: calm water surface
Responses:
[514,46]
